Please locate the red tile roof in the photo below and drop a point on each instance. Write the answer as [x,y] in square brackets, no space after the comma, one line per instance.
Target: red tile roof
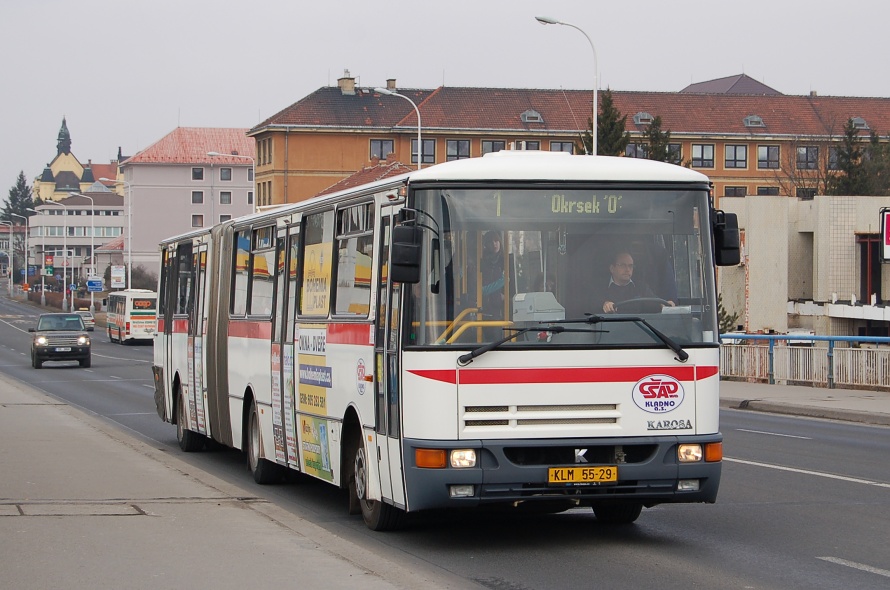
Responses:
[189,145]
[460,109]
[369,174]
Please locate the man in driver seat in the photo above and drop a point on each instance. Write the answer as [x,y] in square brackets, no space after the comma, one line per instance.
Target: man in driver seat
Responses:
[623,289]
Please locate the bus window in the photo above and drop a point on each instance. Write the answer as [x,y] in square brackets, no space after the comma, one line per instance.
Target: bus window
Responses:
[239,279]
[355,247]
[318,246]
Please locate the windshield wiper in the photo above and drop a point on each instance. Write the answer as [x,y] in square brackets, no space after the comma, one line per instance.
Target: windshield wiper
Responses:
[465,359]
[682,355]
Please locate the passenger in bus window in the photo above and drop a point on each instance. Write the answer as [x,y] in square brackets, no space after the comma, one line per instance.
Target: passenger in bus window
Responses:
[492,267]
[622,288]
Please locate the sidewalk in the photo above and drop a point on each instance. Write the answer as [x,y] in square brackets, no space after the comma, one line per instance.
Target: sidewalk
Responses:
[868,407]
[84,506]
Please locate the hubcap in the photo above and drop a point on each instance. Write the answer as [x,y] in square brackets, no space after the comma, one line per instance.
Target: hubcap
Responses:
[360,473]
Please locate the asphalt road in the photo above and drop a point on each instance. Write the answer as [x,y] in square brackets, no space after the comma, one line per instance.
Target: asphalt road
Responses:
[803,503]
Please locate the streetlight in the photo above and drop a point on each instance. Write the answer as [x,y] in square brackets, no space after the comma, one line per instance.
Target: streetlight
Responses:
[546,20]
[64,254]
[11,267]
[43,254]
[92,243]
[129,188]
[27,248]
[252,169]
[416,110]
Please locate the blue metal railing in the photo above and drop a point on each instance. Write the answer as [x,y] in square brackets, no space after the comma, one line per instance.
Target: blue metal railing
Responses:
[831,340]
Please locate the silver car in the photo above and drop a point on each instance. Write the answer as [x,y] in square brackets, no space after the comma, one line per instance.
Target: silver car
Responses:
[89,321]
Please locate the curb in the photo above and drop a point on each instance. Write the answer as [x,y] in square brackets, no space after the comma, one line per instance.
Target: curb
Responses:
[756,405]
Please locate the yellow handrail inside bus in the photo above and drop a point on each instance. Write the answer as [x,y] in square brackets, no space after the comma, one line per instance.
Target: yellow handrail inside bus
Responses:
[454,322]
[479,324]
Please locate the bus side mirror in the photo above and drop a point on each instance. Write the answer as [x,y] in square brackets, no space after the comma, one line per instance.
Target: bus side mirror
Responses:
[404,266]
[727,246]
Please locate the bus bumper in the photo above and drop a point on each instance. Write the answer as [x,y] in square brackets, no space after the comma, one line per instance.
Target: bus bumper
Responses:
[515,472]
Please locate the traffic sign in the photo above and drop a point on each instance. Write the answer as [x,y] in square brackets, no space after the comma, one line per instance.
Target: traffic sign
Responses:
[94,285]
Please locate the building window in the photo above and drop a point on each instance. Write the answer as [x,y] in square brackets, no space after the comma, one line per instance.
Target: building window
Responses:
[807,157]
[225,174]
[562,146]
[806,194]
[768,157]
[702,155]
[224,218]
[736,156]
[735,191]
[675,153]
[832,159]
[492,146]
[250,174]
[197,197]
[636,150]
[457,149]
[381,148]
[429,151]
[197,174]
[771,191]
[225,197]
[533,145]
[250,197]
[197,221]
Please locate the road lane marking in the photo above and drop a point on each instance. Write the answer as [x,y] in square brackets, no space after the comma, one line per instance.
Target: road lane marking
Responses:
[808,472]
[858,566]
[773,433]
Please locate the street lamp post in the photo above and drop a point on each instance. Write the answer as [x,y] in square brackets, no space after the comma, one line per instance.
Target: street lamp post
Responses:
[64,254]
[10,270]
[43,264]
[27,248]
[546,20]
[252,169]
[388,92]
[129,188]
[92,243]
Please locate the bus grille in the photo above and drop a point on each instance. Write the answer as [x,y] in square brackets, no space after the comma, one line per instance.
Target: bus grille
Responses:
[543,415]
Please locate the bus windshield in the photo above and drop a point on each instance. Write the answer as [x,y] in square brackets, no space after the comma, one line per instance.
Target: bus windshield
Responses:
[501,259]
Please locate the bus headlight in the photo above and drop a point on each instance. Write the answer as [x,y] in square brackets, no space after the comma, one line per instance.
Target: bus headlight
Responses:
[461,458]
[690,453]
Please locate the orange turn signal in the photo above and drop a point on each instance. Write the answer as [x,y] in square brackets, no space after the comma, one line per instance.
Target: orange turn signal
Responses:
[430,458]
[714,452]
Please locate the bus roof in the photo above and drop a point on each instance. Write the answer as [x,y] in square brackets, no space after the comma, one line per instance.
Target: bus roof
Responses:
[556,166]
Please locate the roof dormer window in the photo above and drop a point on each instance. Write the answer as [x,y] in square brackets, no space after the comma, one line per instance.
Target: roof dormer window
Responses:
[643,118]
[754,121]
[859,123]
[531,116]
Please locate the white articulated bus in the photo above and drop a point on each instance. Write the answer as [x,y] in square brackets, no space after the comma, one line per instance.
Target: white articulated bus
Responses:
[380,340]
[131,315]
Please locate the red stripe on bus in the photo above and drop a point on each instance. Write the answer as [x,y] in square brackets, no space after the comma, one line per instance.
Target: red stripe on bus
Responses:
[562,375]
[250,329]
[350,334]
[180,326]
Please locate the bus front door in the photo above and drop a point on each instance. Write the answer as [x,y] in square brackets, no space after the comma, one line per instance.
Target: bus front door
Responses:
[386,353]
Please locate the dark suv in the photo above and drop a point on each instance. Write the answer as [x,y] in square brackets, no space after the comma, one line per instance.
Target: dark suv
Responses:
[60,337]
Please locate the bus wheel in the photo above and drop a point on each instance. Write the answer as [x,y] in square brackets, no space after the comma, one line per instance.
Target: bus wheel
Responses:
[618,513]
[264,471]
[377,515]
[189,440]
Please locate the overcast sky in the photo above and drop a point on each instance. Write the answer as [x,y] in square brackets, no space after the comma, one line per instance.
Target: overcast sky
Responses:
[125,73]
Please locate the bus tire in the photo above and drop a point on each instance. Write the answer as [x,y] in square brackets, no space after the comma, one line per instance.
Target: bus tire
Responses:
[378,516]
[189,440]
[264,471]
[618,512]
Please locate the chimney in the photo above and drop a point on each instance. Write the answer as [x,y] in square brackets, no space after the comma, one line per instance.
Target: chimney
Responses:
[813,94]
[391,84]
[346,84]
